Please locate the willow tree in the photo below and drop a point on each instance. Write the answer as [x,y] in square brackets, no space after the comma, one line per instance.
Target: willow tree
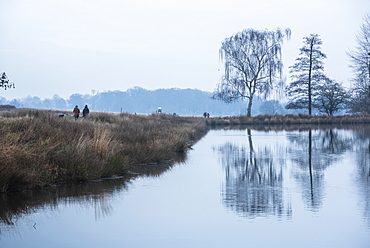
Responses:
[253,64]
[307,73]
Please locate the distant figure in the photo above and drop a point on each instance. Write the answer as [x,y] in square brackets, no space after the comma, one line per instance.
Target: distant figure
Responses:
[76,112]
[207,115]
[85,112]
[159,109]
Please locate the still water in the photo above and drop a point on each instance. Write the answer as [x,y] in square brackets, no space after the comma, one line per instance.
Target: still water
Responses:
[237,188]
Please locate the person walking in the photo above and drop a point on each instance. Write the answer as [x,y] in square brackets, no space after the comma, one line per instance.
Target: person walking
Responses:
[76,112]
[85,112]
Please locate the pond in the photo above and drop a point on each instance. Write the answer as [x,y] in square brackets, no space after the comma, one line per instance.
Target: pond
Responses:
[236,188]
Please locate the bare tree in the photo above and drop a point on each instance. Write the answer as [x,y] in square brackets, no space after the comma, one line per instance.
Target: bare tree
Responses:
[331,97]
[306,73]
[360,64]
[252,61]
[360,100]
[4,82]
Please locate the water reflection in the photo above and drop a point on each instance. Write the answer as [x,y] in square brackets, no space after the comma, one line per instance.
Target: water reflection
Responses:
[312,152]
[255,175]
[266,175]
[253,183]
[96,194]
[362,148]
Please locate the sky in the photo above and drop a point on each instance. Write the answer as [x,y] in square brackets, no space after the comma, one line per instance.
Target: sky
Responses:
[64,47]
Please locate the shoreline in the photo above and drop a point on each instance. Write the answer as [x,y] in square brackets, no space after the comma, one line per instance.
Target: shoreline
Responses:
[287,120]
[40,149]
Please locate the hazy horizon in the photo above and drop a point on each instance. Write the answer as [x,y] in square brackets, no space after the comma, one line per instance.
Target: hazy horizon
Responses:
[76,46]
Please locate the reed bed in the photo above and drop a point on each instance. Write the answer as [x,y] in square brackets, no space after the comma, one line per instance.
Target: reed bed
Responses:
[299,119]
[38,148]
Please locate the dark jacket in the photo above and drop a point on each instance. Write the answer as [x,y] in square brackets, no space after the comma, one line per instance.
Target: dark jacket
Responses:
[85,111]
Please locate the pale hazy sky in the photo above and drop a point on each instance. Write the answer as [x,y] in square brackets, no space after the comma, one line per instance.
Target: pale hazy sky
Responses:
[64,47]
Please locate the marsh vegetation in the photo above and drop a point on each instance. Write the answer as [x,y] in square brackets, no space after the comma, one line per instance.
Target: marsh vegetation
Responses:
[37,148]
[300,119]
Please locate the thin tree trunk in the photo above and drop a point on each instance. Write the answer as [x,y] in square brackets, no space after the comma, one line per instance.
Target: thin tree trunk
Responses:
[309,81]
[310,164]
[249,110]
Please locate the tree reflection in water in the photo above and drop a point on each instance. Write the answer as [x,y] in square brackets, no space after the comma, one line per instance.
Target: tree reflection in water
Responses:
[313,154]
[253,180]
[253,183]
[362,149]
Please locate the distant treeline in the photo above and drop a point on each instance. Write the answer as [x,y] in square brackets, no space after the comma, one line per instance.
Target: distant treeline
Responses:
[138,100]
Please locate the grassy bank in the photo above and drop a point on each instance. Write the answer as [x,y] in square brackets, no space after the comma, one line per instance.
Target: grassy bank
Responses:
[289,120]
[37,148]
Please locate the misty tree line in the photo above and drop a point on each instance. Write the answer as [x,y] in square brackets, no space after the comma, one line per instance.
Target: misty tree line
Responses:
[140,100]
[253,66]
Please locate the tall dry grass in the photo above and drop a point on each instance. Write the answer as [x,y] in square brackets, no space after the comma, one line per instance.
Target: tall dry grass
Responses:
[299,119]
[37,148]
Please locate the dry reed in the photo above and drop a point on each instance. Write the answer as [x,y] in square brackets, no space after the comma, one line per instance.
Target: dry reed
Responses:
[300,119]
[37,148]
